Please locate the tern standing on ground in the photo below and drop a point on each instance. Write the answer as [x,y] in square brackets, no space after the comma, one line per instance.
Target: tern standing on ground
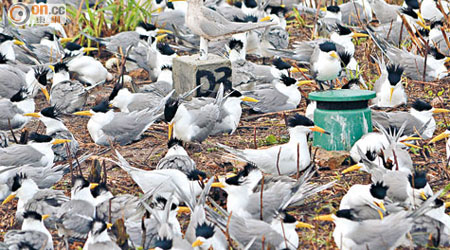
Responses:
[210,25]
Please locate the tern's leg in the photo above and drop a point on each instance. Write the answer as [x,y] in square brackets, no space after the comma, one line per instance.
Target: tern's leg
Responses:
[320,85]
[203,49]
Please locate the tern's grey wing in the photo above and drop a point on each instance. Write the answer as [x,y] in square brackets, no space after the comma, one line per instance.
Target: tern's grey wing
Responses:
[181,162]
[34,34]
[384,12]
[396,119]
[270,100]
[441,44]
[214,25]
[199,102]
[277,37]
[104,245]
[205,120]
[231,12]
[350,12]
[242,73]
[272,180]
[326,25]
[141,55]
[9,110]
[47,201]
[122,206]
[271,204]
[167,19]
[20,155]
[143,101]
[366,213]
[424,226]
[398,184]
[381,234]
[16,239]
[134,231]
[412,64]
[304,50]
[46,54]
[159,88]
[68,96]
[123,40]
[124,128]
[244,230]
[75,217]
[11,81]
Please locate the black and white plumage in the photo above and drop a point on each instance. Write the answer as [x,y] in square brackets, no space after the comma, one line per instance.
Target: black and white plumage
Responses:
[98,238]
[105,125]
[32,198]
[13,110]
[420,114]
[176,158]
[33,234]
[37,153]
[299,126]
[13,80]
[55,128]
[282,94]
[389,87]
[192,124]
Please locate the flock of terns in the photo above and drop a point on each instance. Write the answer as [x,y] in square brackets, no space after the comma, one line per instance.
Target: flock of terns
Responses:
[399,207]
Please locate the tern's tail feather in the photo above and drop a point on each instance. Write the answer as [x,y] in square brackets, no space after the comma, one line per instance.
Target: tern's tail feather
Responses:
[96,39]
[219,96]
[236,152]
[123,164]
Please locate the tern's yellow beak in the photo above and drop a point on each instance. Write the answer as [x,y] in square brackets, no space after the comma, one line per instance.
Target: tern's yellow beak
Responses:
[447,59]
[319,129]
[86,50]
[323,9]
[390,94]
[421,17]
[351,169]
[333,54]
[381,214]
[422,24]
[423,196]
[303,82]
[84,113]
[170,130]
[160,37]
[266,18]
[93,185]
[9,198]
[218,185]
[60,141]
[410,145]
[300,224]
[297,69]
[357,35]
[160,9]
[65,39]
[447,204]
[52,67]
[183,209]
[35,115]
[328,217]
[197,243]
[437,111]
[17,42]
[248,99]
[45,216]
[109,225]
[380,205]
[411,138]
[440,137]
[47,96]
[163,31]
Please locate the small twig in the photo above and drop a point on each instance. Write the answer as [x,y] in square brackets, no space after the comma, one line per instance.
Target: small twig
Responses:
[389,31]
[109,210]
[284,235]
[316,16]
[298,161]
[263,241]
[261,199]
[395,160]
[278,161]
[12,132]
[424,74]
[227,231]
[254,138]
[69,159]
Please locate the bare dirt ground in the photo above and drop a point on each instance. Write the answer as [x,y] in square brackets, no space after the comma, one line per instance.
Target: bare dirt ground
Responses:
[148,151]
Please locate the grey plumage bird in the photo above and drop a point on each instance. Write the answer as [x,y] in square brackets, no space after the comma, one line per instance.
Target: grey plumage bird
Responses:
[33,234]
[98,238]
[13,110]
[55,128]
[32,198]
[210,25]
[105,125]
[176,158]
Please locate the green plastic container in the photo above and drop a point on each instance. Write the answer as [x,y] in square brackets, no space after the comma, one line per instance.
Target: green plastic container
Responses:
[345,114]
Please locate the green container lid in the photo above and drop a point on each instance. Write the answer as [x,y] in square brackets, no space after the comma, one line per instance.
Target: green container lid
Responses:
[342,95]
